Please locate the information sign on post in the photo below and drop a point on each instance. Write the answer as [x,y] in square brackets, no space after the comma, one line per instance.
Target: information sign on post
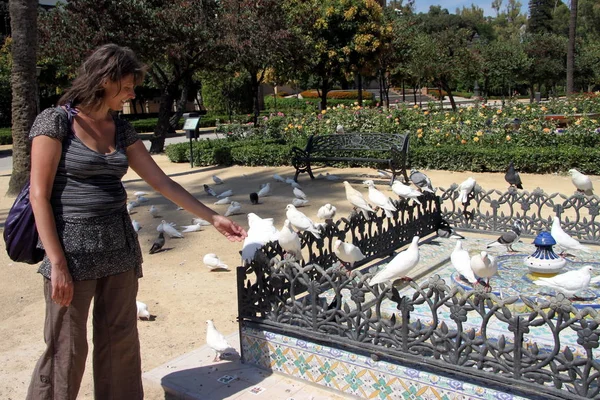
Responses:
[190,127]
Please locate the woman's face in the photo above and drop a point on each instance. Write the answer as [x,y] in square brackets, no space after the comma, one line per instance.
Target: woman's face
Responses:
[117,93]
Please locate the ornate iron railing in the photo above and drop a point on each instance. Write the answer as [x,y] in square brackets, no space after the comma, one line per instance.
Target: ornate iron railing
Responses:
[495,211]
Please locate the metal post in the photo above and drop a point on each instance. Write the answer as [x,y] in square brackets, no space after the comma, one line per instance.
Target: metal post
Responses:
[191,153]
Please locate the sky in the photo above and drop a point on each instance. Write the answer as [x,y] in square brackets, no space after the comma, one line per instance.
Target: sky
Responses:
[452,5]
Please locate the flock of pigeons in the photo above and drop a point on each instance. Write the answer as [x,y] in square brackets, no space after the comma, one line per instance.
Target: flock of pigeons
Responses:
[474,269]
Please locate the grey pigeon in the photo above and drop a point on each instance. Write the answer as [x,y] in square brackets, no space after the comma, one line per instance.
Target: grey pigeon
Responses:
[512,177]
[446,231]
[509,238]
[209,190]
[158,243]
[422,181]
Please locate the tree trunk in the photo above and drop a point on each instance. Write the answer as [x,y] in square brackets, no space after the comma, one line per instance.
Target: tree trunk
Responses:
[324,90]
[446,87]
[255,100]
[180,109]
[23,21]
[359,87]
[571,48]
[164,113]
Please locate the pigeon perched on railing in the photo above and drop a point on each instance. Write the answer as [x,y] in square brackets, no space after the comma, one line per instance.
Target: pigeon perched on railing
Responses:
[347,252]
[464,189]
[380,200]
[512,177]
[357,200]
[290,241]
[422,181]
[301,221]
[400,265]
[582,182]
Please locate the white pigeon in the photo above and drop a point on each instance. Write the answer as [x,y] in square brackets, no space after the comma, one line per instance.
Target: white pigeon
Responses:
[564,240]
[136,225]
[225,200]
[234,208]
[347,252]
[295,185]
[139,193]
[299,202]
[131,205]
[289,181]
[461,261]
[569,282]
[484,266]
[380,200]
[154,212]
[278,178]
[400,265]
[331,177]
[357,200]
[465,188]
[339,128]
[326,212]
[260,232]
[299,194]
[265,190]
[215,340]
[225,194]
[217,180]
[406,192]
[169,229]
[142,199]
[301,221]
[212,262]
[142,310]
[201,222]
[582,182]
[191,228]
[290,241]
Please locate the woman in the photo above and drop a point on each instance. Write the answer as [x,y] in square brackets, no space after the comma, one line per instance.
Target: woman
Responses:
[79,154]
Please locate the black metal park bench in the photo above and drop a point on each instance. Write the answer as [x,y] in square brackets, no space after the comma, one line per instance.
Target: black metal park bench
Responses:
[390,149]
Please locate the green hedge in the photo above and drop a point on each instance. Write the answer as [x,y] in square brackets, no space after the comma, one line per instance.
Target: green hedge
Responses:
[5,136]
[448,157]
[293,104]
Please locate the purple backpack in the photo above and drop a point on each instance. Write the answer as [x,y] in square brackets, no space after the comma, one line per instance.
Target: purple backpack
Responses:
[20,232]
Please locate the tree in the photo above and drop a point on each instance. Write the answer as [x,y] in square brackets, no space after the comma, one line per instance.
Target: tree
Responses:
[548,53]
[540,16]
[23,16]
[176,38]
[571,47]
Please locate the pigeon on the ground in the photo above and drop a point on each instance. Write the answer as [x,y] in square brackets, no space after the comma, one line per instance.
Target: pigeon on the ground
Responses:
[484,266]
[158,243]
[201,222]
[400,265]
[278,178]
[564,240]
[154,212]
[299,194]
[136,225]
[569,282]
[191,228]
[169,229]
[326,212]
[142,310]
[209,190]
[139,193]
[347,252]
[331,177]
[582,182]
[222,201]
[131,205]
[226,193]
[260,232]
[290,241]
[512,177]
[295,184]
[461,261]
[406,192]
[509,238]
[299,202]
[357,200]
[234,208]
[445,231]
[301,221]
[422,181]
[465,188]
[265,190]
[142,199]
[380,200]
[212,262]
[215,340]
[254,198]
[217,180]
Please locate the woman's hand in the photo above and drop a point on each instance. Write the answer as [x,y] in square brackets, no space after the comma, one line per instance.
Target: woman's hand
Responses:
[228,228]
[62,284]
